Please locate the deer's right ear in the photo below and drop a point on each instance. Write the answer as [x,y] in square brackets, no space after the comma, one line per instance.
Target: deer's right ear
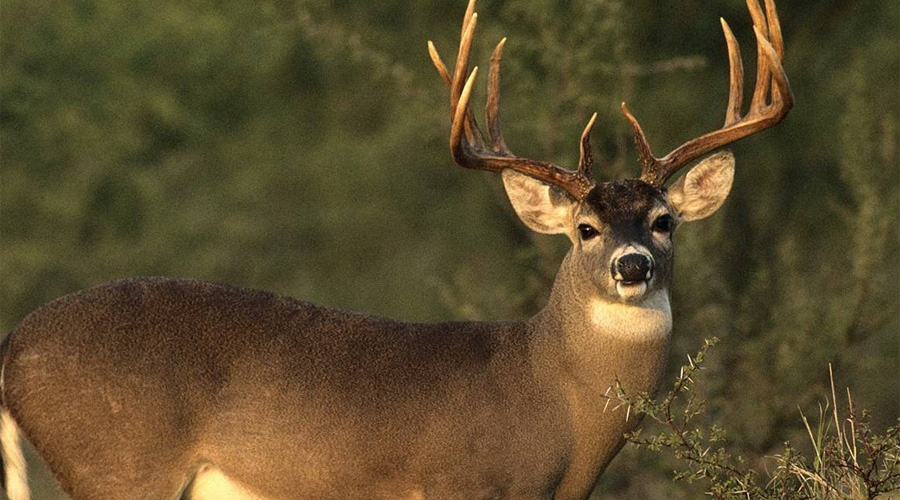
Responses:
[543,208]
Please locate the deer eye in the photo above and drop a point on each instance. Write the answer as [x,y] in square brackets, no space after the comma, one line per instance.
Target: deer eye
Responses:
[663,224]
[587,232]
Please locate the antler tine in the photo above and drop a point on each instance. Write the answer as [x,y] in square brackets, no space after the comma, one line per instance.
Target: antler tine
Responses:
[586,156]
[473,133]
[460,72]
[458,147]
[765,110]
[492,109]
[648,161]
[776,39]
[470,12]
[783,98]
[439,64]
[775,29]
[736,70]
[467,145]
[763,74]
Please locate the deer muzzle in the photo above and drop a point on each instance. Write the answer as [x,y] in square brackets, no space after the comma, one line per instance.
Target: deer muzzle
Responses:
[632,268]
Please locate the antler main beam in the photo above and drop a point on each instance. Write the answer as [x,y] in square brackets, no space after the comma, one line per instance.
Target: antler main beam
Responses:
[468,145]
[772,99]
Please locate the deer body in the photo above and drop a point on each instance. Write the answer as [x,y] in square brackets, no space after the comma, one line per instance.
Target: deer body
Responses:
[458,410]
[166,389]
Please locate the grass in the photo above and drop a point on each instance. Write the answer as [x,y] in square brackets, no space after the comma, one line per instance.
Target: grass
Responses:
[849,459]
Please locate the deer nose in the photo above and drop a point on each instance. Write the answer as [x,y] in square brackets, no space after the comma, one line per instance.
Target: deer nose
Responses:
[632,267]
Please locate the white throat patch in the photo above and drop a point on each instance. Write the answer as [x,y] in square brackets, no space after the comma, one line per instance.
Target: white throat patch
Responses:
[648,319]
[213,484]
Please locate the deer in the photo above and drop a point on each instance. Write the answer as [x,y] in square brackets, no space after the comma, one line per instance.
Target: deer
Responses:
[160,388]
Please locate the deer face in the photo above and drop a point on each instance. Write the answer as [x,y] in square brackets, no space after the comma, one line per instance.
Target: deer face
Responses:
[621,231]
[624,238]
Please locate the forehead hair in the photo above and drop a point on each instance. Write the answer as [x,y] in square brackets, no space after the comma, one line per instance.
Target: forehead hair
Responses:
[623,201]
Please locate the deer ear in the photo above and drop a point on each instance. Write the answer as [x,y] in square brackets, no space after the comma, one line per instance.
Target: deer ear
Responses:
[703,189]
[542,207]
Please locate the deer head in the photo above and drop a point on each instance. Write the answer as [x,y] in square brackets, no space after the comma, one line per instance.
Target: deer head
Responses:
[621,231]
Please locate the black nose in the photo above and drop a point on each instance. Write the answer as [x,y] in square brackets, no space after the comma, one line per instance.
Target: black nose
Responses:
[633,267]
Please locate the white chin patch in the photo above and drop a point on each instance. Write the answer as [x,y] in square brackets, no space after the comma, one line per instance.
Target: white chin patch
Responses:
[631,291]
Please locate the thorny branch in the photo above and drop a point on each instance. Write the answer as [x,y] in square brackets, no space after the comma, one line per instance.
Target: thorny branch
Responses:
[851,461]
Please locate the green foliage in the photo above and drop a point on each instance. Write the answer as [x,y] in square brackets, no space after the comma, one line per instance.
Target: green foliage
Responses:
[848,459]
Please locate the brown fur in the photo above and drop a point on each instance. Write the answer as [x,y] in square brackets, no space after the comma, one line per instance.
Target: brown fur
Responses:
[138,388]
[143,382]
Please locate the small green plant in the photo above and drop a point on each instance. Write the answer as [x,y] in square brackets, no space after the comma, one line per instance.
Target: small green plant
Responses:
[851,460]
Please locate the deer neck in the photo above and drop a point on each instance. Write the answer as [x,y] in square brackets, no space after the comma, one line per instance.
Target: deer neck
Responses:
[596,342]
[586,346]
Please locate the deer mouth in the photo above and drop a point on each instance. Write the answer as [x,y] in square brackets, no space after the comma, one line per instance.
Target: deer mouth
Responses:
[631,290]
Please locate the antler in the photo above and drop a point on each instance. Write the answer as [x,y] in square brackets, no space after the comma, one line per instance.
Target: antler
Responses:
[766,109]
[467,141]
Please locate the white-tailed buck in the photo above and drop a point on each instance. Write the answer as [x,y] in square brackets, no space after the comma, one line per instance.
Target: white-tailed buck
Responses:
[166,389]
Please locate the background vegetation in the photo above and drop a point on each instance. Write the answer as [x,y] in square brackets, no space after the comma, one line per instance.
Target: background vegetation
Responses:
[300,146]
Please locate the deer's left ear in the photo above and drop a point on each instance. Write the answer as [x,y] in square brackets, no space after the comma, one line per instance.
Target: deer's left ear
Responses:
[703,189]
